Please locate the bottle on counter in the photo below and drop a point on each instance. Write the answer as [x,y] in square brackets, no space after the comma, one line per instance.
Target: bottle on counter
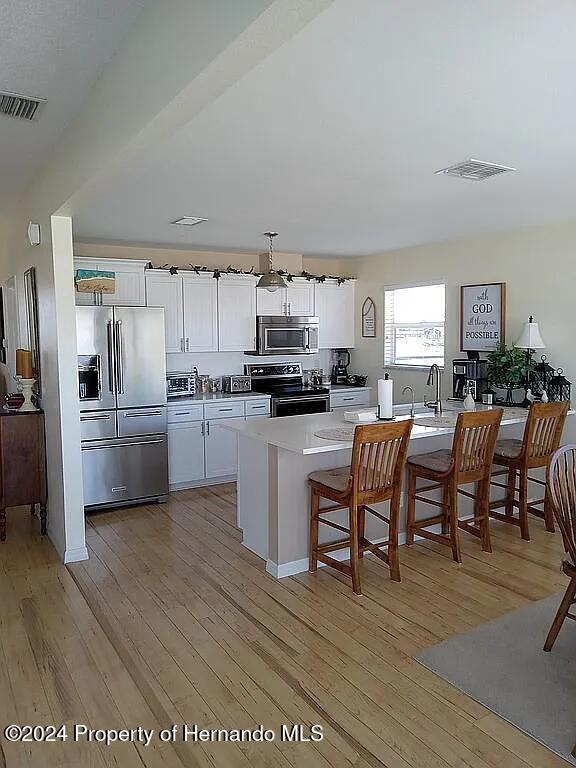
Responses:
[469,402]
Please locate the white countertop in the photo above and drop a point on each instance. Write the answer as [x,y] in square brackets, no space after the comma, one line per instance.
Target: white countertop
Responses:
[297,433]
[215,397]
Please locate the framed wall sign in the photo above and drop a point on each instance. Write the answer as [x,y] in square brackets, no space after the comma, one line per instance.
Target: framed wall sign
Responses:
[482,316]
[368,319]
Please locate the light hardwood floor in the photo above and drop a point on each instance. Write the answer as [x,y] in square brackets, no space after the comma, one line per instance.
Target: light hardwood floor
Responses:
[172,620]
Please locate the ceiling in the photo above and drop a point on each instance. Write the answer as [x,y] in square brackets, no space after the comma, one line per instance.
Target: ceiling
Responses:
[334,139]
[53,49]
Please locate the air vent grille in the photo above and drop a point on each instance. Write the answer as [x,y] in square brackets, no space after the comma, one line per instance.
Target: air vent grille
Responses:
[19,106]
[188,221]
[475,170]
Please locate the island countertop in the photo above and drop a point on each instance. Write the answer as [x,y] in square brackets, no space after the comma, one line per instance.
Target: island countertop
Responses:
[298,433]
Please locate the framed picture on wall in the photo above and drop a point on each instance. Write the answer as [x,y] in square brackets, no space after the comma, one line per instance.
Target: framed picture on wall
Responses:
[368,319]
[482,316]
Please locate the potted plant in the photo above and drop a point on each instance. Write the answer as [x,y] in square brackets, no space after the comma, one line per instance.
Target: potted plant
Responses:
[507,369]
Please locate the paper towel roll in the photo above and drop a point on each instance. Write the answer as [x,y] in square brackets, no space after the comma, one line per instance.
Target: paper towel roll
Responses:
[385,398]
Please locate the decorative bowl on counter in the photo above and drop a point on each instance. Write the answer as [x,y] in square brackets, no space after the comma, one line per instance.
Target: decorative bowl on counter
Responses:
[355,380]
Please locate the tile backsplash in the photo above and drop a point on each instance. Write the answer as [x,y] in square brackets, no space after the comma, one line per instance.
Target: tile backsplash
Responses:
[222,363]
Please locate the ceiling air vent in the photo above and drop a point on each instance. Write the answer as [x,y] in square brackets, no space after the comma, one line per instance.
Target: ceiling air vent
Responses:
[475,170]
[188,221]
[17,105]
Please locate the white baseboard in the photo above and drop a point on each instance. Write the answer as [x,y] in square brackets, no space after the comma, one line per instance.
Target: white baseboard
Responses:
[75,555]
[301,566]
[202,483]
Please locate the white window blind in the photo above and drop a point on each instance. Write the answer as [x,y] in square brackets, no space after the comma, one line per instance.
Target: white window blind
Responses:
[414,325]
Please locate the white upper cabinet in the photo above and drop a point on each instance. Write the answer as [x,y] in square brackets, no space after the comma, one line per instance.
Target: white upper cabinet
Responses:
[296,299]
[200,313]
[335,310]
[165,290]
[236,313]
[130,282]
[270,302]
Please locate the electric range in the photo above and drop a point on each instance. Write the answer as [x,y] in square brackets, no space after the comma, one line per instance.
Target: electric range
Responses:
[285,384]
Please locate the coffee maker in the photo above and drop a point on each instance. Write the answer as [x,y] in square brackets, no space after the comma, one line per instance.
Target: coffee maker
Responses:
[340,363]
[469,376]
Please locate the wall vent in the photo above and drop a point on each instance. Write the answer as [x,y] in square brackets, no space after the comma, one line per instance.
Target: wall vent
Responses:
[22,107]
[475,170]
[188,221]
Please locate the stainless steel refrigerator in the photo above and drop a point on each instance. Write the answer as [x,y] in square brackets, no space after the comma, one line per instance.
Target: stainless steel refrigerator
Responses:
[122,392]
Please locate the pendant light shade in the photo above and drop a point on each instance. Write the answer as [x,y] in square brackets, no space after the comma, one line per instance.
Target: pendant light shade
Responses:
[271,280]
[530,337]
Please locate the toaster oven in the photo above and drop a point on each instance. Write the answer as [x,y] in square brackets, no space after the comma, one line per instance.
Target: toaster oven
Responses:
[180,384]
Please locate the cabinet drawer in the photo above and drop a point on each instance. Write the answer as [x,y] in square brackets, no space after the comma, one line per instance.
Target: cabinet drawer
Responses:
[257,407]
[225,410]
[185,412]
[97,425]
[349,399]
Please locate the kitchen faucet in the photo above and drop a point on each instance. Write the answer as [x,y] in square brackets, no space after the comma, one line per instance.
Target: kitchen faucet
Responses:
[436,404]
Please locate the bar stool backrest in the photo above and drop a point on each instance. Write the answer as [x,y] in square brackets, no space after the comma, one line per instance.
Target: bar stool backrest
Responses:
[378,460]
[543,432]
[562,485]
[474,441]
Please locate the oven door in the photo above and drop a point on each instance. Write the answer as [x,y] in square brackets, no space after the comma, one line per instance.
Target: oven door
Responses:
[296,406]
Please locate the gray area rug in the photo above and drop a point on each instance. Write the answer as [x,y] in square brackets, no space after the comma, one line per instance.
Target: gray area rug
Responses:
[502,665]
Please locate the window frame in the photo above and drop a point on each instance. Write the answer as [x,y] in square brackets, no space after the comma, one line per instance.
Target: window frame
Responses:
[400,286]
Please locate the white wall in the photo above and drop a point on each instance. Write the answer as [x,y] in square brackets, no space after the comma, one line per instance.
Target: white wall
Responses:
[538,265]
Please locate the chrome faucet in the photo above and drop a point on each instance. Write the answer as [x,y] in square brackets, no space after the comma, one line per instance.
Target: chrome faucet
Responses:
[436,404]
[409,389]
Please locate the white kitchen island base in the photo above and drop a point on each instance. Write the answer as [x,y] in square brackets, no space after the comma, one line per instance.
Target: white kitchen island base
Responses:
[275,458]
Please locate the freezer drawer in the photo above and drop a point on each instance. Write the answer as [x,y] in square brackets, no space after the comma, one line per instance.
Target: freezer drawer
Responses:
[141,421]
[121,470]
[97,425]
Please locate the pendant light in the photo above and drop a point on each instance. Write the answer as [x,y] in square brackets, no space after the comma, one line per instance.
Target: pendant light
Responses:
[271,280]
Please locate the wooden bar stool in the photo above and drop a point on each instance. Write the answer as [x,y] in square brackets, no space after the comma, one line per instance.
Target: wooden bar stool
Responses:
[562,495]
[542,435]
[469,461]
[378,460]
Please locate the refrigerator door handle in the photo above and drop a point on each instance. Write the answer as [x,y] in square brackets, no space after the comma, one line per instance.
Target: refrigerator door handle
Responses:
[119,364]
[111,356]
[120,445]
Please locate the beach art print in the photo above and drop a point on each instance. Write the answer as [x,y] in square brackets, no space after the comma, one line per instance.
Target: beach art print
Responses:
[482,316]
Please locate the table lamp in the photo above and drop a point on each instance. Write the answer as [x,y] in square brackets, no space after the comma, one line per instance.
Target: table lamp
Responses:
[530,340]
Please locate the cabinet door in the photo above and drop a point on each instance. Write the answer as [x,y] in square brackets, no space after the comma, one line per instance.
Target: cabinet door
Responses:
[300,299]
[236,313]
[271,302]
[335,310]
[185,452]
[165,290]
[221,450]
[130,283]
[200,295]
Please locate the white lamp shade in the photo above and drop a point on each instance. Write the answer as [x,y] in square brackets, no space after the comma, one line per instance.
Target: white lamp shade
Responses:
[530,337]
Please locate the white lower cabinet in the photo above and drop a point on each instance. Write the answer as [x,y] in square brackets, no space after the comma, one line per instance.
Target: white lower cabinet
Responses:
[344,400]
[200,449]
[185,452]
[221,449]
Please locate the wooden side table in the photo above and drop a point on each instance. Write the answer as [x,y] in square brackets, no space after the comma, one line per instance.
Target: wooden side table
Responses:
[22,464]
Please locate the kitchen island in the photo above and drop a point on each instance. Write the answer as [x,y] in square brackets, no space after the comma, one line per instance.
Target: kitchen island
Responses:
[275,457]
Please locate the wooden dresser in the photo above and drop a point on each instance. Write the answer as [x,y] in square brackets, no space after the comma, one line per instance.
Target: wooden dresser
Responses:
[22,464]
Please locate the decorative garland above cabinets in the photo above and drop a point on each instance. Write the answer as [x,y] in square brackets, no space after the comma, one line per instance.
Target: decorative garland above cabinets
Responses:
[230,270]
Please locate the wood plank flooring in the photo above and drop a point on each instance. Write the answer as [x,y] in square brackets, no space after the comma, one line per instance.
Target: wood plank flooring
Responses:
[172,620]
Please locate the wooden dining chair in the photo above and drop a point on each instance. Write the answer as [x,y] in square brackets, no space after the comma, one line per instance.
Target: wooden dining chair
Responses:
[542,435]
[469,461]
[375,475]
[562,491]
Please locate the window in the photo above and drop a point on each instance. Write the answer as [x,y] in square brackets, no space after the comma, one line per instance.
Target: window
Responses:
[414,325]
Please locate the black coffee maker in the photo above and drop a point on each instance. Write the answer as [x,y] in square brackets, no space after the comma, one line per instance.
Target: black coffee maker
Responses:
[341,361]
[469,376]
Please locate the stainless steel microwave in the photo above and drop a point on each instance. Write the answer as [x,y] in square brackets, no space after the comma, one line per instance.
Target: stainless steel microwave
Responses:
[279,335]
